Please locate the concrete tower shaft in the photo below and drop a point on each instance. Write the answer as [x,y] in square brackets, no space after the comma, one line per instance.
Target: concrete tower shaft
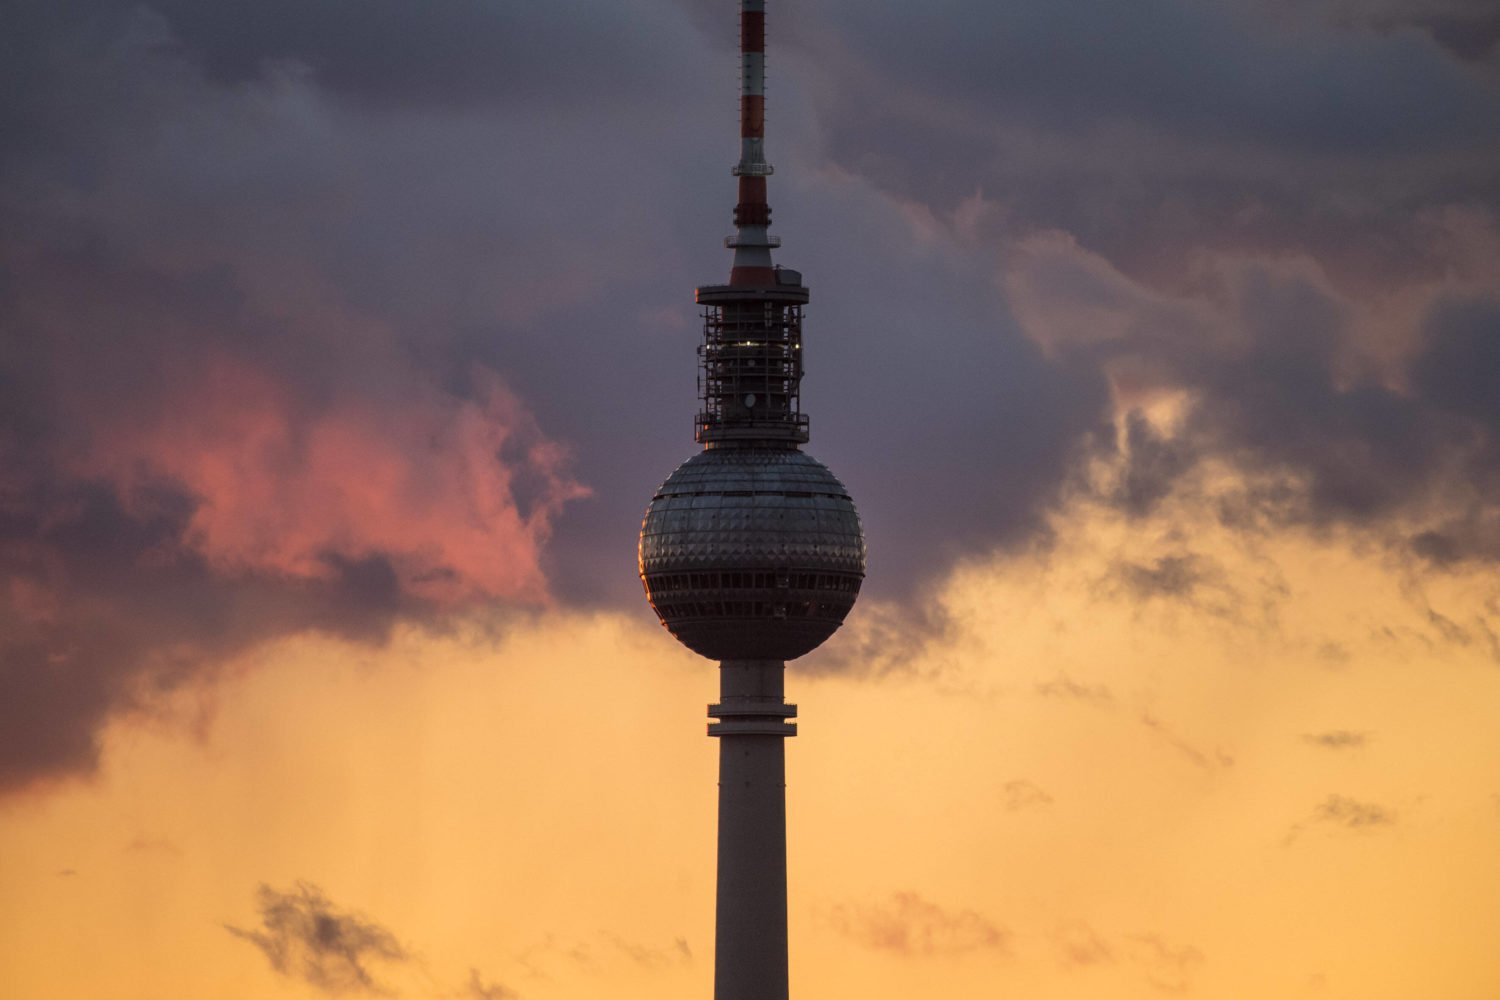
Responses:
[750,940]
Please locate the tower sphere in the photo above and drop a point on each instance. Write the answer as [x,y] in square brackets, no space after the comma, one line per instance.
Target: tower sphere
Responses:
[752,553]
[752,550]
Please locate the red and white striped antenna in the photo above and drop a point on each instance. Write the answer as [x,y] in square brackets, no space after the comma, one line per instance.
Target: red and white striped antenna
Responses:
[751,242]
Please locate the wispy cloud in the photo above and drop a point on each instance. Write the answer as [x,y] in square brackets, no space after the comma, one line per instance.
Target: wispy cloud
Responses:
[907,924]
[1174,576]
[1344,813]
[1079,945]
[148,844]
[1208,760]
[651,956]
[306,937]
[477,989]
[1168,967]
[602,952]
[1063,686]
[1337,739]
[1021,794]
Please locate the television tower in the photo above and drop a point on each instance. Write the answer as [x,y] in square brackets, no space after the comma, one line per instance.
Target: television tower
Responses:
[751,552]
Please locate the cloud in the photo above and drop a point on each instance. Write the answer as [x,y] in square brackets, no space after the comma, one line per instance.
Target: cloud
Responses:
[1352,814]
[1021,794]
[1257,361]
[1063,686]
[1207,267]
[909,925]
[1469,29]
[210,434]
[168,544]
[1168,967]
[1199,757]
[603,953]
[650,957]
[1344,813]
[1099,696]
[477,989]
[305,937]
[154,845]
[1193,580]
[323,317]
[1250,598]
[1169,576]
[296,494]
[1034,60]
[1080,946]
[1337,739]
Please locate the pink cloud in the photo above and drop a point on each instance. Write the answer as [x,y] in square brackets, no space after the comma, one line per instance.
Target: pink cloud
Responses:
[282,483]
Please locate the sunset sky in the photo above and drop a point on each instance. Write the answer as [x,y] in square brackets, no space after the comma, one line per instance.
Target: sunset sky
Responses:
[342,345]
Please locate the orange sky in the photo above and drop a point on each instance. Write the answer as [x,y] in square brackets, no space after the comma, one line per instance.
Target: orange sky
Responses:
[1072,791]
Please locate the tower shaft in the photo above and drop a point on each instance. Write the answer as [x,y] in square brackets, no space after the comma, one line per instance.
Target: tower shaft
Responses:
[750,961]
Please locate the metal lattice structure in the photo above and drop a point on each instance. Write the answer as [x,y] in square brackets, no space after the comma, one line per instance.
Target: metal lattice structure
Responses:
[750,363]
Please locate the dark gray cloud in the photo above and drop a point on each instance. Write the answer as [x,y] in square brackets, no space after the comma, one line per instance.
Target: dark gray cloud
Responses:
[1195,582]
[235,261]
[454,53]
[1156,463]
[1469,29]
[1176,194]
[910,925]
[1150,132]
[306,937]
[105,612]
[1358,453]
[472,230]
[1472,37]
[1204,69]
[1175,576]
[1227,174]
